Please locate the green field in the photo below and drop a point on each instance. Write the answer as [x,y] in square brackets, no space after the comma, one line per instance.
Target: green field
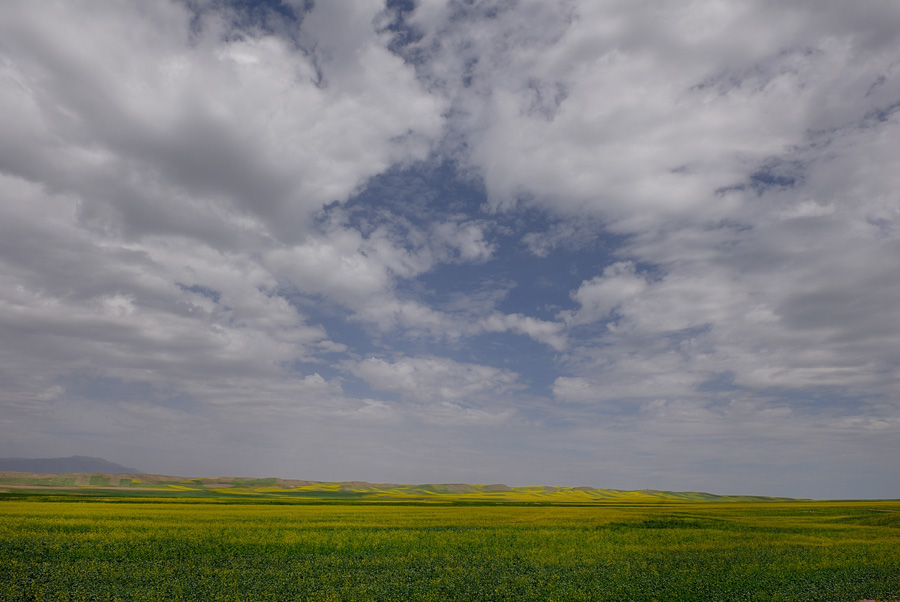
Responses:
[215,549]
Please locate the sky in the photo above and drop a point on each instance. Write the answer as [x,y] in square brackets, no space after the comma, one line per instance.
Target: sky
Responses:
[613,243]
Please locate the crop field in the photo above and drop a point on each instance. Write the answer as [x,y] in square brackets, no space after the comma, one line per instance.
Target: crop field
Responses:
[205,549]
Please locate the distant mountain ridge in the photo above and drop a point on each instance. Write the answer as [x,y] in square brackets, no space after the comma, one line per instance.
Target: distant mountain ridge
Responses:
[72,464]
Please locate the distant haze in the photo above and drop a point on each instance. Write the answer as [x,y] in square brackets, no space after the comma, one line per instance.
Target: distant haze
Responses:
[596,243]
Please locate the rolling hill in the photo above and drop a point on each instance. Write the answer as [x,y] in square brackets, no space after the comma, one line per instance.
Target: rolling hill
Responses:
[147,485]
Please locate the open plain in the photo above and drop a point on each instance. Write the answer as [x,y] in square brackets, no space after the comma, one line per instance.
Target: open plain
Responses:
[68,548]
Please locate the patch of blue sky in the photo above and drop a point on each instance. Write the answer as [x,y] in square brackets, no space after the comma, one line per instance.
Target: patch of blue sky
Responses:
[535,362]
[512,282]
[402,31]
[303,368]
[207,292]
[266,15]
[776,173]
[718,383]
[426,194]
[830,400]
[423,193]
[536,262]
[333,318]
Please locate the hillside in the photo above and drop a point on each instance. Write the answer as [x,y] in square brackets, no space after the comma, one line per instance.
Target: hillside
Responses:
[134,484]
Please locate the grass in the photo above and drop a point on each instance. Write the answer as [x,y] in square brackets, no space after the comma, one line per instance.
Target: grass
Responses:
[121,548]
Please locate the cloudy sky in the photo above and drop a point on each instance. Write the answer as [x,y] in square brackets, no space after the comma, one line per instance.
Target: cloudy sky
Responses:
[616,243]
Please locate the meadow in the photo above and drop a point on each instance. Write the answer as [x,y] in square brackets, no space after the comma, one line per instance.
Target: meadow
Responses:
[99,548]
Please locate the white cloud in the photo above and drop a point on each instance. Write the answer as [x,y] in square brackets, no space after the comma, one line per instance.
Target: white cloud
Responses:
[200,123]
[444,391]
[463,240]
[651,109]
[427,378]
[741,149]
[166,163]
[549,333]
[344,265]
[635,373]
[603,294]
[168,312]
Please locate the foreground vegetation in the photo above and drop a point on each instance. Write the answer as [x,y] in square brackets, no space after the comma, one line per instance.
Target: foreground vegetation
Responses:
[131,549]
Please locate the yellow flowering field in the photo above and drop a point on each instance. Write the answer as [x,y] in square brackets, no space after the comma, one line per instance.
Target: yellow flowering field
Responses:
[136,549]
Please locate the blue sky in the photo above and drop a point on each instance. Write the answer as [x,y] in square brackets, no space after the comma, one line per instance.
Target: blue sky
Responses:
[567,242]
